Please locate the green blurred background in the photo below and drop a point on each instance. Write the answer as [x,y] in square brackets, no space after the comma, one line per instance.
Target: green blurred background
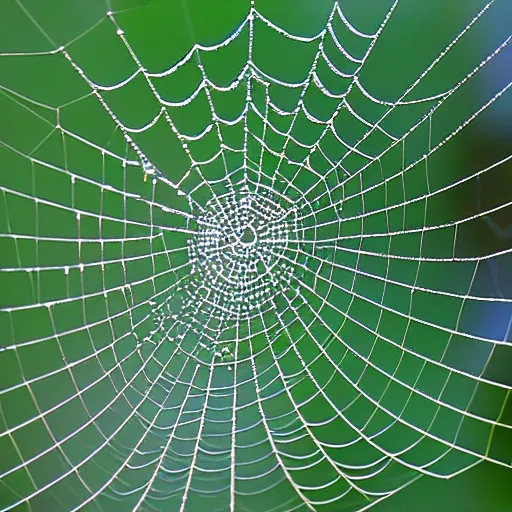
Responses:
[160,32]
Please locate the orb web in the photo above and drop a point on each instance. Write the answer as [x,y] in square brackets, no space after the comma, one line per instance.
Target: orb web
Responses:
[255,256]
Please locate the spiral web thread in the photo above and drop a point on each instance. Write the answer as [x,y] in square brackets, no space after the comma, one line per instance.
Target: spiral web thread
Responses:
[266,321]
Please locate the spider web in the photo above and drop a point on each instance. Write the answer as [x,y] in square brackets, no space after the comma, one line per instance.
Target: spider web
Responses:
[250,261]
